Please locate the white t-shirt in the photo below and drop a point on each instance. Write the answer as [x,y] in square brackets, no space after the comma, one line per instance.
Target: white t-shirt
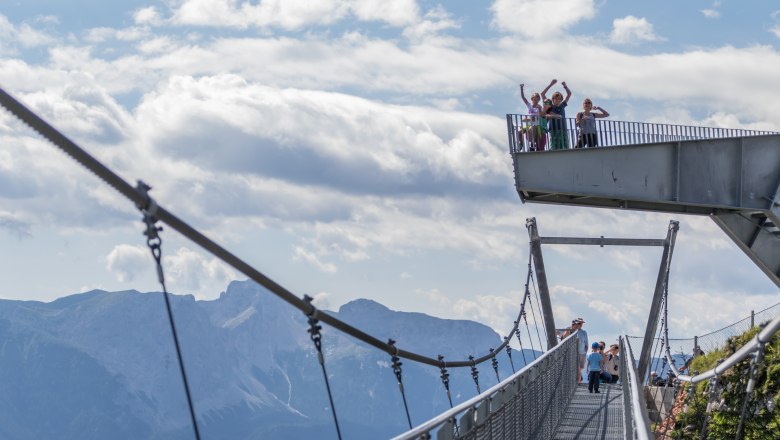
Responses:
[534,112]
[583,335]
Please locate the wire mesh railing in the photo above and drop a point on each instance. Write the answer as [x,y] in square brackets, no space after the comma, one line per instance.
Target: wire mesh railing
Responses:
[528,133]
[527,405]
[682,349]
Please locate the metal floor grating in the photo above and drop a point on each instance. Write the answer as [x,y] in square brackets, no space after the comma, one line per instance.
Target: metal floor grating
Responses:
[593,416]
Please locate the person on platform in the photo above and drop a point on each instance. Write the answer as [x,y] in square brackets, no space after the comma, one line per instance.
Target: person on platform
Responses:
[557,125]
[534,130]
[586,124]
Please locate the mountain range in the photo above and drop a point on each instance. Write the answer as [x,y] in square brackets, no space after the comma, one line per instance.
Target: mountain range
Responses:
[102,365]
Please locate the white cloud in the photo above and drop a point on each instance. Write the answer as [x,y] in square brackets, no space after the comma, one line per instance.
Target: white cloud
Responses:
[102,34]
[435,296]
[10,224]
[147,16]
[394,12]
[127,261]
[533,18]
[632,29]
[321,300]
[496,311]
[31,37]
[22,35]
[184,270]
[292,14]
[435,21]
[776,31]
[710,13]
[193,272]
[313,259]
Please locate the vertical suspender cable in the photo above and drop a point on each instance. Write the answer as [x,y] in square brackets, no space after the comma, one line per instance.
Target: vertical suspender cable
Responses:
[536,323]
[397,370]
[316,338]
[154,242]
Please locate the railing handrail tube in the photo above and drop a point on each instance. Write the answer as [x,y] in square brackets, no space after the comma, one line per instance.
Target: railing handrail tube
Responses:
[476,400]
[612,132]
[761,338]
[642,431]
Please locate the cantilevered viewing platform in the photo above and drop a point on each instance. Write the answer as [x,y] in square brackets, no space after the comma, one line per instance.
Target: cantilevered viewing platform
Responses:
[731,175]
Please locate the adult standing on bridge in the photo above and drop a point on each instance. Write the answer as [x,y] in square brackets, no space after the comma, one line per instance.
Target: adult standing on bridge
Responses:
[557,126]
[586,124]
[582,335]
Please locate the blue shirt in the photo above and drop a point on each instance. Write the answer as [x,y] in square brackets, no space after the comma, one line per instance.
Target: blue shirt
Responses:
[594,361]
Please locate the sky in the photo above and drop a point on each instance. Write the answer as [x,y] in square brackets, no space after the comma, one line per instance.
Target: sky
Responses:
[358,149]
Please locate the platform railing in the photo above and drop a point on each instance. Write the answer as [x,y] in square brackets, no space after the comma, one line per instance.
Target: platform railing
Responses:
[527,405]
[635,418]
[527,133]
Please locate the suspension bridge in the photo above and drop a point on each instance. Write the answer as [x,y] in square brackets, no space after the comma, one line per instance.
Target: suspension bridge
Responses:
[732,176]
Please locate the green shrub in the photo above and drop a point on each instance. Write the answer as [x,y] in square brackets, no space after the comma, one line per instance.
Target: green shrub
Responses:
[763,417]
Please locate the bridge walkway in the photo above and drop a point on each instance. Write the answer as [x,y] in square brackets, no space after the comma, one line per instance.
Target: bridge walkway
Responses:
[593,416]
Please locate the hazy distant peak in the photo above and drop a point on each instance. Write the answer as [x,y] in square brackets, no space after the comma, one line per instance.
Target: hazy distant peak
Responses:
[360,306]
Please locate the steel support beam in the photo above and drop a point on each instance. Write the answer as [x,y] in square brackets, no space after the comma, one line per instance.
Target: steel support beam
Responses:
[658,295]
[541,277]
[734,181]
[604,241]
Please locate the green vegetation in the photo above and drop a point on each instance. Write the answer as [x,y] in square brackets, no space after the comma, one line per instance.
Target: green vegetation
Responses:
[763,415]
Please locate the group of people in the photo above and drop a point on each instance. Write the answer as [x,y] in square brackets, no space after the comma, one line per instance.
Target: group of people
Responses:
[551,118]
[602,364]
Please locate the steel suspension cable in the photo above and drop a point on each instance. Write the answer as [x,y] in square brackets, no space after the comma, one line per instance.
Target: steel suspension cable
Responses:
[536,323]
[530,339]
[154,242]
[144,201]
[755,363]
[523,314]
[316,337]
[713,383]
[539,308]
[662,384]
[494,364]
[509,354]
[445,378]
[520,341]
[396,363]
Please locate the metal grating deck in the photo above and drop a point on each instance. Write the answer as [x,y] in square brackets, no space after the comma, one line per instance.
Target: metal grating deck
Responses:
[593,416]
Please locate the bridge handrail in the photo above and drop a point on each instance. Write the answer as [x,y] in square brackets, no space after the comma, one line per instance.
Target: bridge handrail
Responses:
[423,430]
[760,339]
[615,133]
[636,421]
